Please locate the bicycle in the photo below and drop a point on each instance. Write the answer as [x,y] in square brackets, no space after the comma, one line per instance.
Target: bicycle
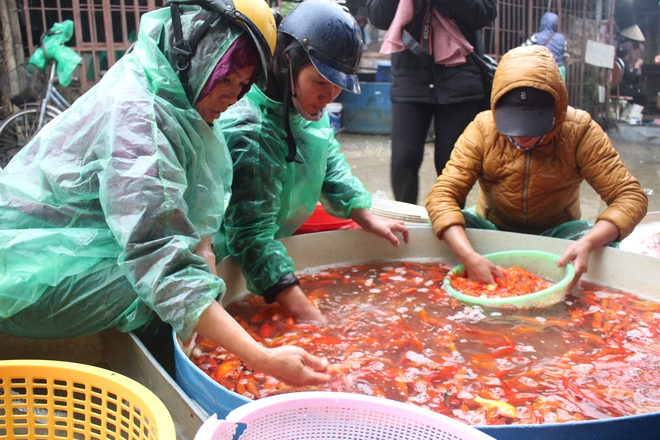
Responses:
[33,92]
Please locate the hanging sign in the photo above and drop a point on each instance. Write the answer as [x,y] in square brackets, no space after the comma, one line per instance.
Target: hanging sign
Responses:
[599,54]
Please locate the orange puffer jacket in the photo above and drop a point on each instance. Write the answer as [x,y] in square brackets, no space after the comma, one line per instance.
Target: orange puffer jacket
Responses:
[533,191]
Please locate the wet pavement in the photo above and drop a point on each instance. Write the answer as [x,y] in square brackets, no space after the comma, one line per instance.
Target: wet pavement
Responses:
[369,157]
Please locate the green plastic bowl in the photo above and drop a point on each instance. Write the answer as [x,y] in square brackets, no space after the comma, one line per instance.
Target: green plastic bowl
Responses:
[539,263]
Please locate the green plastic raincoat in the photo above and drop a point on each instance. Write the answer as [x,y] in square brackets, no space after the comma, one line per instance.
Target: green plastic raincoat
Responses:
[101,213]
[271,198]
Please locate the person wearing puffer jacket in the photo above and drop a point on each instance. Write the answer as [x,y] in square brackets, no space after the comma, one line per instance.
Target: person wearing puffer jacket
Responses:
[530,153]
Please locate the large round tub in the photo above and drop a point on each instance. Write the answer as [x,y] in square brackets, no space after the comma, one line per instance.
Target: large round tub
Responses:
[614,268]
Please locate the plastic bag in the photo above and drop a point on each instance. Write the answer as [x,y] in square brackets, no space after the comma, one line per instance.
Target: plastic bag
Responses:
[67,59]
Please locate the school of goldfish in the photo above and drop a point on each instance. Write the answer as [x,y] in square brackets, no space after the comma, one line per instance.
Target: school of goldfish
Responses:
[394,332]
[515,281]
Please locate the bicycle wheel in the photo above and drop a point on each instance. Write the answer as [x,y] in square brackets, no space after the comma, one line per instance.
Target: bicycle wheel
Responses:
[18,129]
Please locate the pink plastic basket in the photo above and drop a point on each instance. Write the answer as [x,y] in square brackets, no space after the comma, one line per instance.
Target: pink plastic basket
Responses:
[322,415]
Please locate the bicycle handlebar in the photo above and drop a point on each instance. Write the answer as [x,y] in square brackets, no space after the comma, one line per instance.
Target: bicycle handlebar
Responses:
[48,33]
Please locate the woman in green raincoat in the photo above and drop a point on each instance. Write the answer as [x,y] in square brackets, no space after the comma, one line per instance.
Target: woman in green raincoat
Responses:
[106,216]
[286,159]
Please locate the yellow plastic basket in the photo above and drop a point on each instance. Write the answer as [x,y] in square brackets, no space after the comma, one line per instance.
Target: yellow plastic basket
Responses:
[63,400]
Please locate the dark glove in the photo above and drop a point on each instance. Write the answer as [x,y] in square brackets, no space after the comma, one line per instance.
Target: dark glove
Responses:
[287,280]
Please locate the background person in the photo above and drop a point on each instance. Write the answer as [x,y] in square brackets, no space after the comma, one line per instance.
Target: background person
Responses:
[530,155]
[451,94]
[286,157]
[631,50]
[632,45]
[549,37]
[106,214]
[630,83]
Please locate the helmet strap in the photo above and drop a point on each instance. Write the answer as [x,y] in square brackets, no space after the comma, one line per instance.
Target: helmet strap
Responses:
[296,103]
[286,90]
[185,48]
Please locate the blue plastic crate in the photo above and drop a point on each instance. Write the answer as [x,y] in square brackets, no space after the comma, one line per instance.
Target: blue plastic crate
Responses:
[384,71]
[369,112]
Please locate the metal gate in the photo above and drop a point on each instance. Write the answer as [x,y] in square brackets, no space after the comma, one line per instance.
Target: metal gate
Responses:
[105,29]
[579,21]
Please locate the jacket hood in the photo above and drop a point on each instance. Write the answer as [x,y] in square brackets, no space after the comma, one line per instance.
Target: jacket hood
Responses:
[155,51]
[549,22]
[531,66]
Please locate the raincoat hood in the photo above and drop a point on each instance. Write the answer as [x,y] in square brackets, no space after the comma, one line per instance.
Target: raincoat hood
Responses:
[155,48]
[549,22]
[531,66]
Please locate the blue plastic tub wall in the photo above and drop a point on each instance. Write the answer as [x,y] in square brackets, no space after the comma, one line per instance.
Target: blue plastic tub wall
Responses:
[370,112]
[207,393]
[639,427]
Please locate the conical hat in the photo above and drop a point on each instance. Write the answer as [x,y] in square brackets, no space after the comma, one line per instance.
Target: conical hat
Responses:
[633,33]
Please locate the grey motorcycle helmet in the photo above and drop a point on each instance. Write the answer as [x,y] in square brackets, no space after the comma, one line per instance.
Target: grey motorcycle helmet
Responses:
[331,37]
